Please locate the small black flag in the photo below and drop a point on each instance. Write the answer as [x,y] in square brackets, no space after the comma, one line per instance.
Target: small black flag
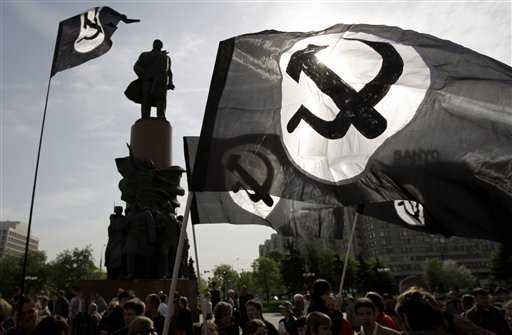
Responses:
[85,36]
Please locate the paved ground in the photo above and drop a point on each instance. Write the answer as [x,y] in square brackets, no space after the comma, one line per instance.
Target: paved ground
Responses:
[273,318]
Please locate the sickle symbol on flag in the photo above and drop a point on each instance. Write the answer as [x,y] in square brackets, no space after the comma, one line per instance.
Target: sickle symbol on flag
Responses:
[356,108]
[88,24]
[260,191]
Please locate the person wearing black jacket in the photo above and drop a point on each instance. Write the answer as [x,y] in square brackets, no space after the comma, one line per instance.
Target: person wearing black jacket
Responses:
[183,318]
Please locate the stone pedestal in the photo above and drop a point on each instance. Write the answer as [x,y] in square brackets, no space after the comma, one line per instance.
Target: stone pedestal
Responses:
[151,141]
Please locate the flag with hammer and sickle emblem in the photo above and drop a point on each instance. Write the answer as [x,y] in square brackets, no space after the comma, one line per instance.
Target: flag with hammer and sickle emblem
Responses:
[85,36]
[415,128]
[290,218]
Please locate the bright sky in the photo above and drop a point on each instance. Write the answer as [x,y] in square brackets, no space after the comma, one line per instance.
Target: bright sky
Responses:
[89,119]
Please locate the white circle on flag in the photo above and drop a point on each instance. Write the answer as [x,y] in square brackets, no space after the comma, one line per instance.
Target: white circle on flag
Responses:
[241,198]
[91,33]
[356,63]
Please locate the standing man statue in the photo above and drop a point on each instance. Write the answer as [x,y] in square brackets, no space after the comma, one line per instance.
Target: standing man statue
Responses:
[155,77]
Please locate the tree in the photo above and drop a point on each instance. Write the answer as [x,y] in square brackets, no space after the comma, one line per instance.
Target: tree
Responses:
[380,279]
[72,266]
[11,270]
[292,268]
[266,275]
[363,274]
[225,277]
[246,278]
[444,275]
[501,265]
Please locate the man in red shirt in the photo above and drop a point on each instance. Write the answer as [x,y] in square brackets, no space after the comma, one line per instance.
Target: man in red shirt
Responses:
[382,318]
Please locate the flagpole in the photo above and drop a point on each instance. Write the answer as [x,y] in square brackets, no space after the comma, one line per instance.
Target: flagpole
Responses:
[176,267]
[27,241]
[196,254]
[349,247]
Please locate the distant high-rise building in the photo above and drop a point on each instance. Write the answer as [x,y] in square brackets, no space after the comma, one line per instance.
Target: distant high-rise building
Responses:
[403,251]
[13,236]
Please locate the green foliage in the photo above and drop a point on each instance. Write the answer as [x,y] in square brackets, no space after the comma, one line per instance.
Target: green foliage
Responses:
[501,265]
[224,278]
[444,275]
[292,268]
[246,278]
[267,276]
[11,270]
[71,266]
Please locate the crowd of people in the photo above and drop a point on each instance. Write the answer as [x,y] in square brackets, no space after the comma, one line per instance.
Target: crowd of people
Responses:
[415,311]
[318,312]
[125,314]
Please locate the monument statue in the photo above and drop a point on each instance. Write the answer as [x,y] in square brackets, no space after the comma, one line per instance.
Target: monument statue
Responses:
[153,69]
[142,243]
[115,245]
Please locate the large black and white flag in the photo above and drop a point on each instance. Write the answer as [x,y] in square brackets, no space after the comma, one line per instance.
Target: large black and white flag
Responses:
[85,36]
[290,218]
[361,114]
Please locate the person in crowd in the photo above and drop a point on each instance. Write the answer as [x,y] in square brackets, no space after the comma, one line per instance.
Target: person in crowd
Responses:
[382,318]
[76,311]
[486,316]
[334,307]
[209,328]
[318,323]
[508,312]
[183,318]
[101,304]
[255,311]
[6,321]
[224,321]
[454,303]
[215,294]
[389,306]
[319,295]
[298,305]
[162,308]
[367,313]
[113,319]
[131,309]
[152,303]
[255,327]
[351,314]
[141,325]
[288,324]
[242,300]
[51,325]
[206,307]
[61,306]
[468,301]
[27,319]
[421,313]
[501,295]
[43,310]
[92,319]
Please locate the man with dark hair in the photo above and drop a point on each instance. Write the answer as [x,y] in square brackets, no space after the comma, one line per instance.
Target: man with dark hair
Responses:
[132,309]
[287,325]
[468,301]
[115,319]
[484,315]
[152,303]
[366,312]
[254,311]
[27,319]
[242,299]
[382,318]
